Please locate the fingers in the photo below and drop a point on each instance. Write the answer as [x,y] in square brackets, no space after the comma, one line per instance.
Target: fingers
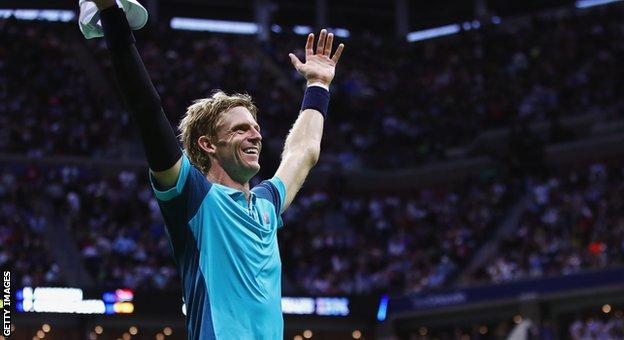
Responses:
[328,44]
[323,47]
[338,53]
[309,45]
[320,46]
[295,61]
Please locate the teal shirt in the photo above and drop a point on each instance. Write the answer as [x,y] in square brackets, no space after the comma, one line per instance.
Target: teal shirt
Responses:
[227,255]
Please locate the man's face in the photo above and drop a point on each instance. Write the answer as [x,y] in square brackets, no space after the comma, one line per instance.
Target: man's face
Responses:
[238,144]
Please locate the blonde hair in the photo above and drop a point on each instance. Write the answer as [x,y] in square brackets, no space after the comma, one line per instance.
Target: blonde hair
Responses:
[201,119]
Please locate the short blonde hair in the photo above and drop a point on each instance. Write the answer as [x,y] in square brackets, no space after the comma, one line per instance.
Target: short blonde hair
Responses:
[201,119]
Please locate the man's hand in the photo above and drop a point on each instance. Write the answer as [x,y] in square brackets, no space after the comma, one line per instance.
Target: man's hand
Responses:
[319,67]
[103,4]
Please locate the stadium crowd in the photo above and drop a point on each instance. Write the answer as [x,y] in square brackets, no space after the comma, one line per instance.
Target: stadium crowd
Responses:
[333,242]
[598,327]
[411,97]
[47,106]
[114,221]
[329,246]
[355,244]
[22,221]
[490,331]
[573,223]
[118,227]
[482,79]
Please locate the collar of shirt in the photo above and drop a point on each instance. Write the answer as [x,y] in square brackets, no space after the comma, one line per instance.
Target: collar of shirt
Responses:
[237,195]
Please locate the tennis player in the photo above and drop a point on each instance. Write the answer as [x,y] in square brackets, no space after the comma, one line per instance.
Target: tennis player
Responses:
[222,232]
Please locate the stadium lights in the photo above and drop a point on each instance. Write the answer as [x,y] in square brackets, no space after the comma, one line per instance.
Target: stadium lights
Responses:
[468,25]
[302,30]
[340,32]
[221,26]
[383,308]
[39,14]
[305,30]
[276,28]
[433,32]
[592,3]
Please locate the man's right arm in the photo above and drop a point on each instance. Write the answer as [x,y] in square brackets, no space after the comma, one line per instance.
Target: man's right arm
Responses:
[159,141]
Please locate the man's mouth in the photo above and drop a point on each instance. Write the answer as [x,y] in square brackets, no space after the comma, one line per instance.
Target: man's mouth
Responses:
[250,151]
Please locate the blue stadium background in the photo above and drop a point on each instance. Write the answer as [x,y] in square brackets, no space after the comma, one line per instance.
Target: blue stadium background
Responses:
[470,186]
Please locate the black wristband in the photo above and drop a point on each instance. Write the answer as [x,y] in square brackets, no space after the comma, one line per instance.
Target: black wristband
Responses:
[317,98]
[117,31]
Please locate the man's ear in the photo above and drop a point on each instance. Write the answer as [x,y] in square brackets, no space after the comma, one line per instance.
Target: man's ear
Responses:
[206,145]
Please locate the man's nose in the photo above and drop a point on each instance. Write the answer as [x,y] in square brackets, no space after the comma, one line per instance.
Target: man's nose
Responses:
[255,135]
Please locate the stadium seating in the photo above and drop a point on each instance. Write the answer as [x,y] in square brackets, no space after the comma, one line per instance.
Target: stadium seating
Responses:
[24,213]
[47,106]
[593,326]
[416,100]
[411,95]
[573,223]
[409,242]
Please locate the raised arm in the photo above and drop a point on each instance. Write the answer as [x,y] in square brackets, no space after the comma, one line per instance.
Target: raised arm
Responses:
[159,141]
[303,144]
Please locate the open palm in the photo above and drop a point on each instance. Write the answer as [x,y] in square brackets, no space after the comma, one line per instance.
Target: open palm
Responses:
[319,67]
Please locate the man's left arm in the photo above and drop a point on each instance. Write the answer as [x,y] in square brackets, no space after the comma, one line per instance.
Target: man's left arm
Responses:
[303,144]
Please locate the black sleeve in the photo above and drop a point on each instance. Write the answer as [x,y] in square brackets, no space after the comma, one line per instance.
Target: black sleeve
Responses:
[159,141]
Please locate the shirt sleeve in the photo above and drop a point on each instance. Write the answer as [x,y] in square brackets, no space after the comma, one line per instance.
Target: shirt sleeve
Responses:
[281,192]
[176,190]
[181,202]
[274,191]
[178,205]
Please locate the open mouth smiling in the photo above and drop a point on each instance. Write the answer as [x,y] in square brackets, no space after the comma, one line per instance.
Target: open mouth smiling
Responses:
[251,151]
